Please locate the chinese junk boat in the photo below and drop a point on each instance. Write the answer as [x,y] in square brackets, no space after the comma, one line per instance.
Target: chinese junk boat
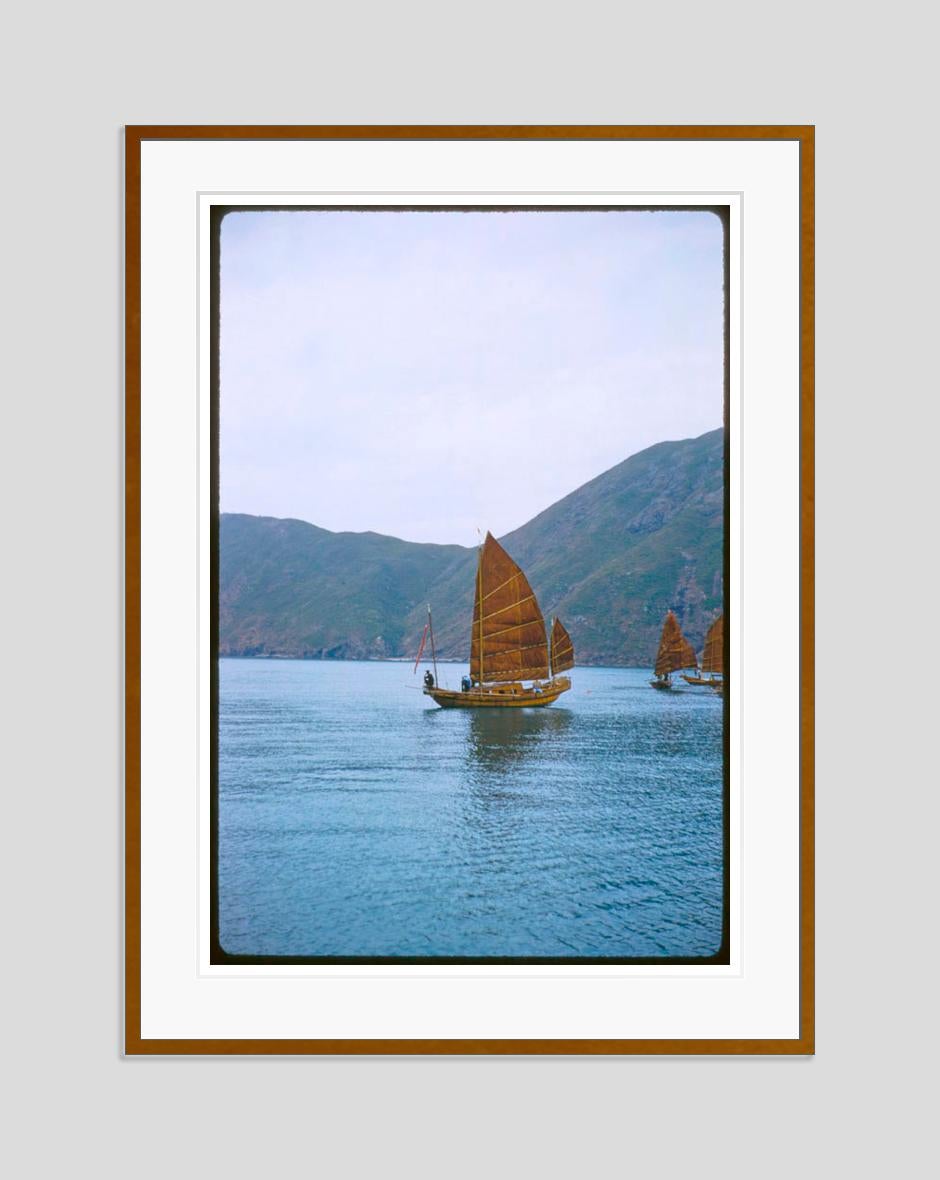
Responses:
[509,650]
[675,653]
[713,658]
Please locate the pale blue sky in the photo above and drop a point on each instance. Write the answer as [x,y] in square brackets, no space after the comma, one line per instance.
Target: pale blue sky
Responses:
[429,374]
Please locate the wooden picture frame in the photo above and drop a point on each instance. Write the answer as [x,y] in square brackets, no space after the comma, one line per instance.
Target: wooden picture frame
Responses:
[138,1041]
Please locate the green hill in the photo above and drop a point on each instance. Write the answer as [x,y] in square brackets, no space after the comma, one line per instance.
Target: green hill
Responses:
[289,588]
[610,558]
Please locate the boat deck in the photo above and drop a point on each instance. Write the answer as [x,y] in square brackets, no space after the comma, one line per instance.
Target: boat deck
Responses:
[501,696]
[711,682]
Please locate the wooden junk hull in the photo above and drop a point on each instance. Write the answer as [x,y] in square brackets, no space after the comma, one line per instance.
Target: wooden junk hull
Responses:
[711,682]
[661,684]
[502,696]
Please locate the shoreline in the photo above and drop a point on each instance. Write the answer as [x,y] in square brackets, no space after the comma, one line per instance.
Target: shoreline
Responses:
[393,660]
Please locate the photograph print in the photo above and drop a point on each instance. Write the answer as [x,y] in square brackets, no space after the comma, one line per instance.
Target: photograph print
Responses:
[470,564]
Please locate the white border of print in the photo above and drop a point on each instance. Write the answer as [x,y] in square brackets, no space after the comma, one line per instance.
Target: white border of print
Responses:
[205,202]
[757,995]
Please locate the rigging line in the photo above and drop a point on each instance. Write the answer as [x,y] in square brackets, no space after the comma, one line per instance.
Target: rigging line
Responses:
[511,651]
[511,578]
[508,675]
[514,627]
[508,606]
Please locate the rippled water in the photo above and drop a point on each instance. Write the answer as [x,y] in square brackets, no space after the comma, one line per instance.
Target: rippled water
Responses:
[357,819]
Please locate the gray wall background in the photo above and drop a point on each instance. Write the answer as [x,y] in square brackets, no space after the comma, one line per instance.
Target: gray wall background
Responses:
[73,75]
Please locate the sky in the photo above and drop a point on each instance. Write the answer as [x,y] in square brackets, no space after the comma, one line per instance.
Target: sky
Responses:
[434,375]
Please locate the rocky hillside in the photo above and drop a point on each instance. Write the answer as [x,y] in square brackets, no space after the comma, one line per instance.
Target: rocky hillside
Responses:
[610,558]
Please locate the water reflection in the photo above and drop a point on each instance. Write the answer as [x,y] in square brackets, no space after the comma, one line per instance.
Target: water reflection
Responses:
[501,739]
[505,757]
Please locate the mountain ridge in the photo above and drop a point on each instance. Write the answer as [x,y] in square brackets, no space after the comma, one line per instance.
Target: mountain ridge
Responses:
[610,557]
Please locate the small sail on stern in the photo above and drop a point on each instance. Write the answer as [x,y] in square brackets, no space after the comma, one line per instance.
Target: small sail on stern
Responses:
[675,652]
[562,648]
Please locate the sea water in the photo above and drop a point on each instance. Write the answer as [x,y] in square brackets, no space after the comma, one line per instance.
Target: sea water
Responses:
[356,818]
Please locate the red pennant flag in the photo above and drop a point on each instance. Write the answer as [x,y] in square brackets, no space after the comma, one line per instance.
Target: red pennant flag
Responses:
[420,649]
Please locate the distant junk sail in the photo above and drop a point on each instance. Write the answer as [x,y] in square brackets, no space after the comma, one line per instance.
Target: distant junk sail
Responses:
[508,644]
[675,652]
[713,658]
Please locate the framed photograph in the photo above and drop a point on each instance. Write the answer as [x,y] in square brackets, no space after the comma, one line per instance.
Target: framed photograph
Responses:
[469,590]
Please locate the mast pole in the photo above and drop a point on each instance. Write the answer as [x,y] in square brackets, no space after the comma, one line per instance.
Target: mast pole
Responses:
[433,652]
[480,584]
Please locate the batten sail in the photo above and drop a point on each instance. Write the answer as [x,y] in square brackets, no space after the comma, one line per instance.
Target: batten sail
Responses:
[675,651]
[713,657]
[562,648]
[507,640]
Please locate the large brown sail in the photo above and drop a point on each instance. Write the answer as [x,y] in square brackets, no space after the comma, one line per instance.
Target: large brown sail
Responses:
[675,651]
[507,641]
[562,648]
[713,657]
